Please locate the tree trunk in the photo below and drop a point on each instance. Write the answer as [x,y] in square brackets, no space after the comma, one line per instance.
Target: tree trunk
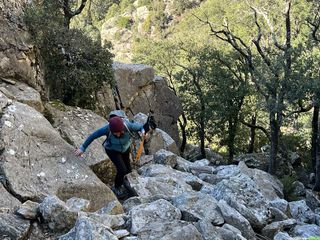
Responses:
[252,133]
[314,136]
[231,139]
[202,131]
[67,20]
[182,124]
[314,147]
[274,138]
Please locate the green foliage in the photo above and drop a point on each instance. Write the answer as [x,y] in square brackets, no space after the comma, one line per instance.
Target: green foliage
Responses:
[126,6]
[314,238]
[144,3]
[75,65]
[112,11]
[124,22]
[288,187]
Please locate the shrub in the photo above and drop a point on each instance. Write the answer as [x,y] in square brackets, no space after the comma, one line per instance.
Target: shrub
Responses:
[75,66]
[124,22]
[288,187]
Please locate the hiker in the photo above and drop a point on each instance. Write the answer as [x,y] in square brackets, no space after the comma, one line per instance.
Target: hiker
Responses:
[117,146]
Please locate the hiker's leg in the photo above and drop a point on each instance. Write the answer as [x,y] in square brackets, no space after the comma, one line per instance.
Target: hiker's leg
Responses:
[126,160]
[117,159]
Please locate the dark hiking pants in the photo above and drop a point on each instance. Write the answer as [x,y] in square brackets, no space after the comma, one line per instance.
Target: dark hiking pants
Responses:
[122,163]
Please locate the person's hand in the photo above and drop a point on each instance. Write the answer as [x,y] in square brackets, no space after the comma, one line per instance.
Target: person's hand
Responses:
[142,134]
[78,152]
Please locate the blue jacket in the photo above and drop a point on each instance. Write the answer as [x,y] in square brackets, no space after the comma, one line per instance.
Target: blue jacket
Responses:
[112,142]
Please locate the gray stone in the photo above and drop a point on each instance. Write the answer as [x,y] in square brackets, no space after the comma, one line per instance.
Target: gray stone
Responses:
[277,215]
[88,228]
[193,152]
[121,233]
[246,190]
[7,200]
[280,204]
[308,230]
[312,200]
[112,208]
[141,91]
[110,221]
[13,227]
[198,206]
[17,57]
[129,203]
[157,212]
[57,215]
[75,125]
[231,228]
[235,219]
[25,94]
[29,210]
[271,229]
[161,140]
[188,232]
[300,211]
[229,232]
[78,204]
[208,231]
[165,185]
[299,189]
[282,236]
[166,158]
[34,147]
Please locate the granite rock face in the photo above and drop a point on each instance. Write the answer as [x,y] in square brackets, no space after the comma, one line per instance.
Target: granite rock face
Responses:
[18,59]
[46,163]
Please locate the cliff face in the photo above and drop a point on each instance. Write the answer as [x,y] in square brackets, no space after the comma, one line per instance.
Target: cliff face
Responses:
[17,56]
[137,86]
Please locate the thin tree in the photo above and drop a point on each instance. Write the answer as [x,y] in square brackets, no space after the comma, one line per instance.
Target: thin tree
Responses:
[69,13]
[273,88]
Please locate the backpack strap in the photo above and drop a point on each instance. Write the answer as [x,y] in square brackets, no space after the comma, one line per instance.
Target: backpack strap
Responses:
[134,136]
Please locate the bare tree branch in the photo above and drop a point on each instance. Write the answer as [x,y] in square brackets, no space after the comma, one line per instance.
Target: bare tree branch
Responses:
[265,16]
[314,24]
[265,131]
[238,44]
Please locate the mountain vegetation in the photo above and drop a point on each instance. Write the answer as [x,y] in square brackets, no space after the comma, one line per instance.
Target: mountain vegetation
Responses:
[247,72]
[75,65]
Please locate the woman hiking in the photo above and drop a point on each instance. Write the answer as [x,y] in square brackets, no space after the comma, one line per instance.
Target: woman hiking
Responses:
[117,146]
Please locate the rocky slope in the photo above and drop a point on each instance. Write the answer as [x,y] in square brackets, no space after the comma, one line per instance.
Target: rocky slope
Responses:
[48,193]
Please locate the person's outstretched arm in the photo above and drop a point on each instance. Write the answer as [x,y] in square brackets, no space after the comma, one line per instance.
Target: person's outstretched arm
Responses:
[136,127]
[100,132]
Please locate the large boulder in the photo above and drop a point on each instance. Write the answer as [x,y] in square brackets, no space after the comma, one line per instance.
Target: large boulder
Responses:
[198,206]
[23,93]
[88,228]
[246,190]
[57,215]
[75,125]
[235,219]
[160,220]
[141,91]
[36,161]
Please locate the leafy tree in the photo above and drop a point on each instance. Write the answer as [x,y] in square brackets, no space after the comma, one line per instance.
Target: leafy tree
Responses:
[162,55]
[212,93]
[269,62]
[69,12]
[75,66]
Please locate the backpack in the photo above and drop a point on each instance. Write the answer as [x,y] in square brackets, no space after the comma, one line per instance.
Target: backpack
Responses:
[150,124]
[122,114]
